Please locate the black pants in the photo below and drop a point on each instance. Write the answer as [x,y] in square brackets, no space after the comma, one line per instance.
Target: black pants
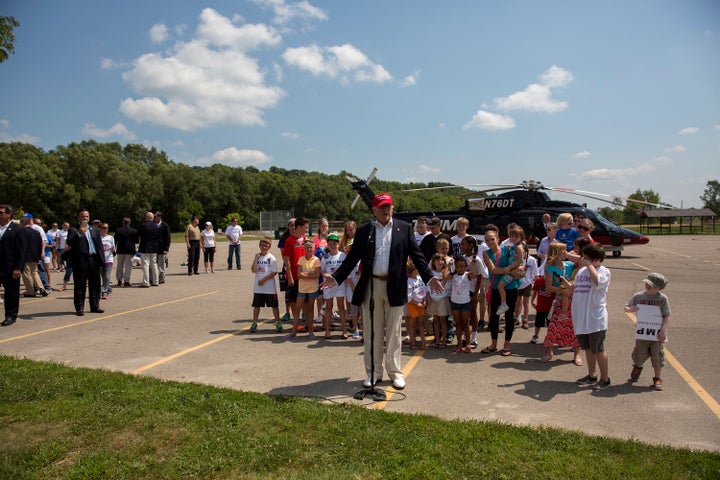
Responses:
[12,293]
[89,277]
[494,325]
[194,256]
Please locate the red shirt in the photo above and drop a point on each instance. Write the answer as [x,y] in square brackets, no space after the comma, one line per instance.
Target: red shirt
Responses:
[544,297]
[293,249]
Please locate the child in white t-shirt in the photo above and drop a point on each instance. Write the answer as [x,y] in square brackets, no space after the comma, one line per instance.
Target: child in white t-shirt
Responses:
[331,261]
[461,283]
[265,268]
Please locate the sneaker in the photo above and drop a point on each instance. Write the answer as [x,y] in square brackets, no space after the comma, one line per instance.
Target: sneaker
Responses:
[587,380]
[278,327]
[319,319]
[602,384]
[473,344]
[534,339]
[103,296]
[635,374]
[502,309]
[286,317]
[657,384]
[253,327]
[356,335]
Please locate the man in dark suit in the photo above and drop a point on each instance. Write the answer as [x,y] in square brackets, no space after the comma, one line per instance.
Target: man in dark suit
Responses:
[383,246]
[11,264]
[126,237]
[86,258]
[149,245]
[165,241]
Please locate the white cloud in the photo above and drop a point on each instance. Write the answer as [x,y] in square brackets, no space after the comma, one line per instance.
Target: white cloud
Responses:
[428,169]
[205,81]
[240,157]
[279,73]
[675,149]
[441,125]
[158,33]
[537,97]
[490,121]
[286,12]
[117,130]
[344,61]
[411,80]
[556,77]
[717,127]
[688,131]
[22,138]
[109,64]
[4,123]
[622,174]
[222,32]
[291,135]
[582,154]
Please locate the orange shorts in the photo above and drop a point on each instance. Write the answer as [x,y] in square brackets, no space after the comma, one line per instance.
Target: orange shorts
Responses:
[415,311]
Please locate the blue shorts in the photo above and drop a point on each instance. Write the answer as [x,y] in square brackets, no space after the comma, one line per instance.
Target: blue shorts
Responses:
[463,307]
[310,296]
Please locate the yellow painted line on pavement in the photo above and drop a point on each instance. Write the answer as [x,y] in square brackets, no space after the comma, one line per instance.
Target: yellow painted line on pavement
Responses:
[406,371]
[85,322]
[641,267]
[711,403]
[186,351]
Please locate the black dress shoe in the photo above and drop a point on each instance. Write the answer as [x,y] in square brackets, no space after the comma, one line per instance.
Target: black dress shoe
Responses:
[9,320]
[97,310]
[79,313]
[43,292]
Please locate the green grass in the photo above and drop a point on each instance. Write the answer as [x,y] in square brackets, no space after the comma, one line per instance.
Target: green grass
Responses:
[58,422]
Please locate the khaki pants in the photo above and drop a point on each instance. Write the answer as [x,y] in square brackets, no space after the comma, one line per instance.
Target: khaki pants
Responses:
[387,321]
[31,278]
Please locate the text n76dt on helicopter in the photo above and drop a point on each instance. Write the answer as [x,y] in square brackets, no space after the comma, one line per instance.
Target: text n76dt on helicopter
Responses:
[523,204]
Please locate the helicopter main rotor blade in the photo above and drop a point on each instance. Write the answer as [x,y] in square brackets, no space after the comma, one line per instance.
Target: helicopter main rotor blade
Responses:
[587,194]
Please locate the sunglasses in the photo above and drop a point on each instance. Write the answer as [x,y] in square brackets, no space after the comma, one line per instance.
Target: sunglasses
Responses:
[582,227]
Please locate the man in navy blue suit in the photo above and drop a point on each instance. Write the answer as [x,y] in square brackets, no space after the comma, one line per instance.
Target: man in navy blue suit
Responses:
[86,254]
[11,264]
[383,246]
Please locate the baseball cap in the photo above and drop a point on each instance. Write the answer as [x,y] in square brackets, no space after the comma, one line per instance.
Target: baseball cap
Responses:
[208,223]
[27,215]
[434,222]
[656,280]
[381,199]
[333,236]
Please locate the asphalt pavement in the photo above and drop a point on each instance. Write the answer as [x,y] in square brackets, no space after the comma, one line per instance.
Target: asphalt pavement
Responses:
[196,329]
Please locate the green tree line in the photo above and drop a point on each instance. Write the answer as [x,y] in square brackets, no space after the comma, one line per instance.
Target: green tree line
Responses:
[113,181]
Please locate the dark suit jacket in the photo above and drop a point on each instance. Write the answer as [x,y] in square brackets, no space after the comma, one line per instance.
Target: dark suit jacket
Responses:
[165,237]
[80,257]
[10,255]
[403,245]
[149,237]
[125,240]
[28,245]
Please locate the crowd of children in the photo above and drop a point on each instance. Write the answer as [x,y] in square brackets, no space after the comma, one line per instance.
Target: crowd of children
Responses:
[567,290]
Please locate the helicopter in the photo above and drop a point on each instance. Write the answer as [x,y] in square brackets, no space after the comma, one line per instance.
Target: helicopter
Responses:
[523,204]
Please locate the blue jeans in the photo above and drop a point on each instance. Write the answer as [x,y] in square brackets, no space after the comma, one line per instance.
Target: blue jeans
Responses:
[236,249]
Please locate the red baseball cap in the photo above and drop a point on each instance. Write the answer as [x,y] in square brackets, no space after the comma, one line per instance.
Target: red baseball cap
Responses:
[382,199]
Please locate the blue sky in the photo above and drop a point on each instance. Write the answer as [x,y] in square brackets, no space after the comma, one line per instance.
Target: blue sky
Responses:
[601,96]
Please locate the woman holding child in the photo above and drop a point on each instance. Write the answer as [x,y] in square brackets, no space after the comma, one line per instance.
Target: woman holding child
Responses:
[498,262]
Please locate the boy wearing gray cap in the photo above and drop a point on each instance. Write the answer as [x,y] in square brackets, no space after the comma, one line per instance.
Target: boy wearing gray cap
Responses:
[651,332]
